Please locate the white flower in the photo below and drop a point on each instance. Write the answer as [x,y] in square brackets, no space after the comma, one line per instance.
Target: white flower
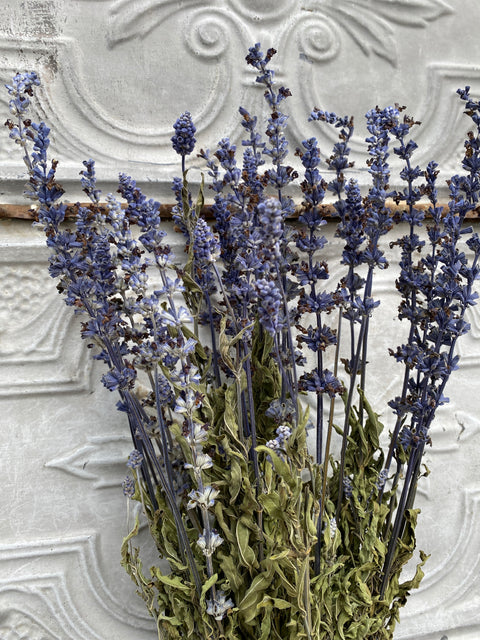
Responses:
[164,260]
[333,527]
[189,403]
[170,287]
[219,607]
[176,317]
[284,431]
[203,461]
[189,346]
[278,443]
[186,379]
[179,351]
[205,498]
[198,436]
[208,544]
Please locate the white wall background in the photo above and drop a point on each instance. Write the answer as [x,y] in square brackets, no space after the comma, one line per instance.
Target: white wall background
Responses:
[116,74]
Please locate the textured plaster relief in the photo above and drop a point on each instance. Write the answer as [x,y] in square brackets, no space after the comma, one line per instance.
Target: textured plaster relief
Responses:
[38,352]
[56,585]
[26,304]
[101,460]
[457,562]
[448,597]
[368,25]
[40,18]
[120,121]
[17,625]
[469,426]
[138,19]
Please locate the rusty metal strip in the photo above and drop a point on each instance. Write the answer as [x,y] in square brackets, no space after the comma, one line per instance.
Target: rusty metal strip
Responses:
[23,212]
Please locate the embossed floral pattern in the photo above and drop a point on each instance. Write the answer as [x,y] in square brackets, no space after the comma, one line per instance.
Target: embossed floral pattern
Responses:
[368,23]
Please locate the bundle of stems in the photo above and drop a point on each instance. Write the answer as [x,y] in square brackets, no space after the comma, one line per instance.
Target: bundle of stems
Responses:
[209,357]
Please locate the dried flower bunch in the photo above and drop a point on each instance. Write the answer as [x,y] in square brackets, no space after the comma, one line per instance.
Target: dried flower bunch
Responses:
[261,539]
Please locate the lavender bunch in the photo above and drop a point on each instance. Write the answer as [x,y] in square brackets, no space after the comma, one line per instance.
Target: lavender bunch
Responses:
[214,357]
[436,293]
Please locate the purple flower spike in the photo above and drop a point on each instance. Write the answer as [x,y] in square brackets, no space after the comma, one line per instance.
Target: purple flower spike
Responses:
[184,139]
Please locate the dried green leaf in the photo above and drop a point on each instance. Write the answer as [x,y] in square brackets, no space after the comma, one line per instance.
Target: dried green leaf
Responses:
[247,554]
[171,581]
[232,570]
[254,595]
[281,467]
[200,197]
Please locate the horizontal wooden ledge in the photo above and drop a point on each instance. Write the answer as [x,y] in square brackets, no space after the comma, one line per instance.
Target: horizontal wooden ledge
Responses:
[23,212]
